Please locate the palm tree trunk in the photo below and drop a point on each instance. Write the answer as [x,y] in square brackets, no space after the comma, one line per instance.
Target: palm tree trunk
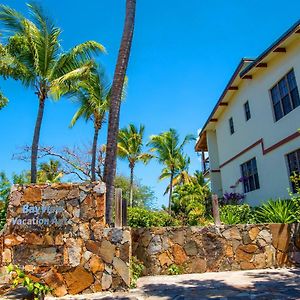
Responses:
[94,153]
[114,110]
[36,139]
[131,186]
[171,192]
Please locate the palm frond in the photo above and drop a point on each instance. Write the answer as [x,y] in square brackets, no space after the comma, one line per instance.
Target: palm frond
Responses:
[12,19]
[87,49]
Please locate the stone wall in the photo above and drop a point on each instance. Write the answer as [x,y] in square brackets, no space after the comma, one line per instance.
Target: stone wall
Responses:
[57,234]
[213,249]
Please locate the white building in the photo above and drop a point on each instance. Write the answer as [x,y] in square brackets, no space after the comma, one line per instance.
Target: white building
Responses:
[252,132]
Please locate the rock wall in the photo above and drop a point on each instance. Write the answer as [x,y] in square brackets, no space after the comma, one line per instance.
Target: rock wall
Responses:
[213,249]
[57,234]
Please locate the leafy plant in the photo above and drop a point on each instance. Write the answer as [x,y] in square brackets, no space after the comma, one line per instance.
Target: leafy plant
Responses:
[276,211]
[136,269]
[235,214]
[38,289]
[3,100]
[189,203]
[4,193]
[174,270]
[140,217]
[233,198]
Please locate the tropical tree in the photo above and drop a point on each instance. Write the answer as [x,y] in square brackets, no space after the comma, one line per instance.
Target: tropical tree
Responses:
[115,103]
[169,152]
[181,175]
[143,195]
[93,95]
[50,172]
[33,55]
[3,100]
[130,148]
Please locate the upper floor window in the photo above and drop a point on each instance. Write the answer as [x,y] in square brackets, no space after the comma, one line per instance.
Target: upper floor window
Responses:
[250,175]
[293,160]
[285,95]
[231,126]
[247,111]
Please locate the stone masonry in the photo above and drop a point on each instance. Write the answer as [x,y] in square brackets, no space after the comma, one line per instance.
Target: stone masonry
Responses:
[213,249]
[57,234]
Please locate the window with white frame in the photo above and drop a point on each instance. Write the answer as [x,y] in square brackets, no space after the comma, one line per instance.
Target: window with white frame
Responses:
[285,95]
[250,175]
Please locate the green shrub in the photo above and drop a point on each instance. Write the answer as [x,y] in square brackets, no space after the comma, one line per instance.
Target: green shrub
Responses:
[136,269]
[235,214]
[276,211]
[141,217]
[174,270]
[39,290]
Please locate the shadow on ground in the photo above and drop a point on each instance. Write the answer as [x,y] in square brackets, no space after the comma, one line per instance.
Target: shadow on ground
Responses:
[268,285]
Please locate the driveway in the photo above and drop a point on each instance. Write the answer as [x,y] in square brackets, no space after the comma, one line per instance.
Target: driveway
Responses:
[271,284]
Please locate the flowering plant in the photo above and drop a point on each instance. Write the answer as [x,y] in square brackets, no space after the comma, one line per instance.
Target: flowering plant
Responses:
[233,198]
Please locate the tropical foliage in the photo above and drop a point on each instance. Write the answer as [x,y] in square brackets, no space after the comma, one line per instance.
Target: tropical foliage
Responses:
[141,217]
[93,96]
[38,289]
[236,214]
[33,56]
[276,211]
[130,148]
[168,151]
[189,203]
[4,193]
[143,195]
[3,100]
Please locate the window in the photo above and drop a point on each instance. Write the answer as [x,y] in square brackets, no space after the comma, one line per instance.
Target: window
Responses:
[285,95]
[294,165]
[247,111]
[250,175]
[231,126]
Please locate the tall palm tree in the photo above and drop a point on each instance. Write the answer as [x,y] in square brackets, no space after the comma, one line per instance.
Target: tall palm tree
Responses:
[169,151]
[93,95]
[115,103]
[130,147]
[33,56]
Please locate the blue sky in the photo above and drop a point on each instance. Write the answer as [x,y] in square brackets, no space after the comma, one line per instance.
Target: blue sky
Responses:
[182,56]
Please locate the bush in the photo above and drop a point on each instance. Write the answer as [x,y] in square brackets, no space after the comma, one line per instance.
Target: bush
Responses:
[141,217]
[235,214]
[276,211]
[174,270]
[136,268]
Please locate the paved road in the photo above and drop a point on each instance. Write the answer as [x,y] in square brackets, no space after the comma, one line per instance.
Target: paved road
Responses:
[259,284]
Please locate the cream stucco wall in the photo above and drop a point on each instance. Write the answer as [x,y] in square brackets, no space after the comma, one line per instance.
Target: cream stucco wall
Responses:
[272,168]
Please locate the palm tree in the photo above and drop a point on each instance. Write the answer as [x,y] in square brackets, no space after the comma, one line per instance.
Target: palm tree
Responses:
[50,172]
[130,147]
[93,95]
[33,56]
[115,103]
[168,151]
[181,175]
